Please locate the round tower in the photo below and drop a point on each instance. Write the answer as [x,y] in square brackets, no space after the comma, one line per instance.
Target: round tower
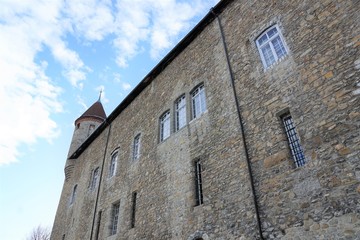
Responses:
[85,125]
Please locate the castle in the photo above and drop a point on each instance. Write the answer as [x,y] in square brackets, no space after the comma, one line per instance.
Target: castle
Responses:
[248,129]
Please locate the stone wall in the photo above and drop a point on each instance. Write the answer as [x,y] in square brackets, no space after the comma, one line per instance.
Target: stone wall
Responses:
[318,82]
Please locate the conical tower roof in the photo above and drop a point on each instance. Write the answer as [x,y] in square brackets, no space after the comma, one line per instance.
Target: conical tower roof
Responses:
[95,112]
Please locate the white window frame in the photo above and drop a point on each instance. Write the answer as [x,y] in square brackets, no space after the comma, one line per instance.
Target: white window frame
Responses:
[198,101]
[136,146]
[94,178]
[180,113]
[114,218]
[269,42]
[165,126]
[113,164]
[73,195]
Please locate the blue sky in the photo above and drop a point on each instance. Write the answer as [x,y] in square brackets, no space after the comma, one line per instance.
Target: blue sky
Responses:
[55,57]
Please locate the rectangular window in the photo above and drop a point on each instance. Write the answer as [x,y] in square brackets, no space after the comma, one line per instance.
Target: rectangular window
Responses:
[165,126]
[271,46]
[293,140]
[113,164]
[180,112]
[94,179]
[198,101]
[198,183]
[136,147]
[98,226]
[114,218]
[133,209]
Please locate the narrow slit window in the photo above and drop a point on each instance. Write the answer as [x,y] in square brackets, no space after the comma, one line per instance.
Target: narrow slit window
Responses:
[73,195]
[165,126]
[180,112]
[133,209]
[136,147]
[114,218]
[293,140]
[198,183]
[98,225]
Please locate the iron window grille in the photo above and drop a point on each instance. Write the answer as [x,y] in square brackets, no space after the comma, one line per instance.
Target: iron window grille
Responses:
[271,46]
[165,126]
[114,218]
[294,141]
[198,101]
[133,210]
[180,112]
[198,183]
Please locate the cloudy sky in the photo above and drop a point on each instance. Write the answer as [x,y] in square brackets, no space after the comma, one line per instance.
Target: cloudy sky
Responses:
[55,57]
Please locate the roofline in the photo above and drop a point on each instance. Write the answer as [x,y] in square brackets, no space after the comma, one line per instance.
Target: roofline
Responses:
[209,17]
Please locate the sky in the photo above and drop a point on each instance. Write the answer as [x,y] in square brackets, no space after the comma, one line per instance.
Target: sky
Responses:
[55,57]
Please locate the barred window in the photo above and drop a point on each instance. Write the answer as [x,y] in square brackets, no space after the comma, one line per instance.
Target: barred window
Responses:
[198,183]
[113,164]
[165,126]
[198,101]
[114,218]
[180,112]
[136,147]
[271,46]
[293,140]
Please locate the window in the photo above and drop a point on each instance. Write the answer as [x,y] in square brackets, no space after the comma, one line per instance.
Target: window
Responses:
[94,179]
[133,210]
[165,126]
[198,101]
[113,164]
[136,147]
[293,140]
[180,113]
[114,218]
[73,195]
[198,183]
[98,226]
[91,129]
[271,46]
[63,237]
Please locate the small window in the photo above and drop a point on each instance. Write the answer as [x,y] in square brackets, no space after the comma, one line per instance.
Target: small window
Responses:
[114,218]
[136,147]
[133,209]
[77,125]
[271,46]
[98,225]
[198,183]
[293,140]
[63,237]
[113,164]
[180,113]
[165,126]
[198,101]
[73,195]
[91,129]
[94,179]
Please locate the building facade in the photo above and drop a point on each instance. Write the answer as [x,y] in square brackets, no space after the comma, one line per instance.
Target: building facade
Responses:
[248,129]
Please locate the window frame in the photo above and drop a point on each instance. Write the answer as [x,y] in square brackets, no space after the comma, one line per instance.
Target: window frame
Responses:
[115,212]
[136,147]
[198,98]
[269,41]
[113,163]
[180,112]
[94,178]
[165,126]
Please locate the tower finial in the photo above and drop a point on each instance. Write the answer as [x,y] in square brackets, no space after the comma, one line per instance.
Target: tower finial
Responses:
[100,95]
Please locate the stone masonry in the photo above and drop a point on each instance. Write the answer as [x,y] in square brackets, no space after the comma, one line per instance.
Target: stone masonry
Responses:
[317,82]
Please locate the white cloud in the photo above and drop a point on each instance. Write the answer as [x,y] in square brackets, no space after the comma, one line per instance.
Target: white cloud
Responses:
[101,89]
[125,86]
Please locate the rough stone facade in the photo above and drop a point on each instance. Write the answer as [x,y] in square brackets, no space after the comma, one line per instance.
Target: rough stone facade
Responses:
[318,82]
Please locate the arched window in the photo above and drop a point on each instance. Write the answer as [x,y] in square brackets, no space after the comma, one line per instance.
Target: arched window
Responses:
[180,113]
[136,147]
[113,164]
